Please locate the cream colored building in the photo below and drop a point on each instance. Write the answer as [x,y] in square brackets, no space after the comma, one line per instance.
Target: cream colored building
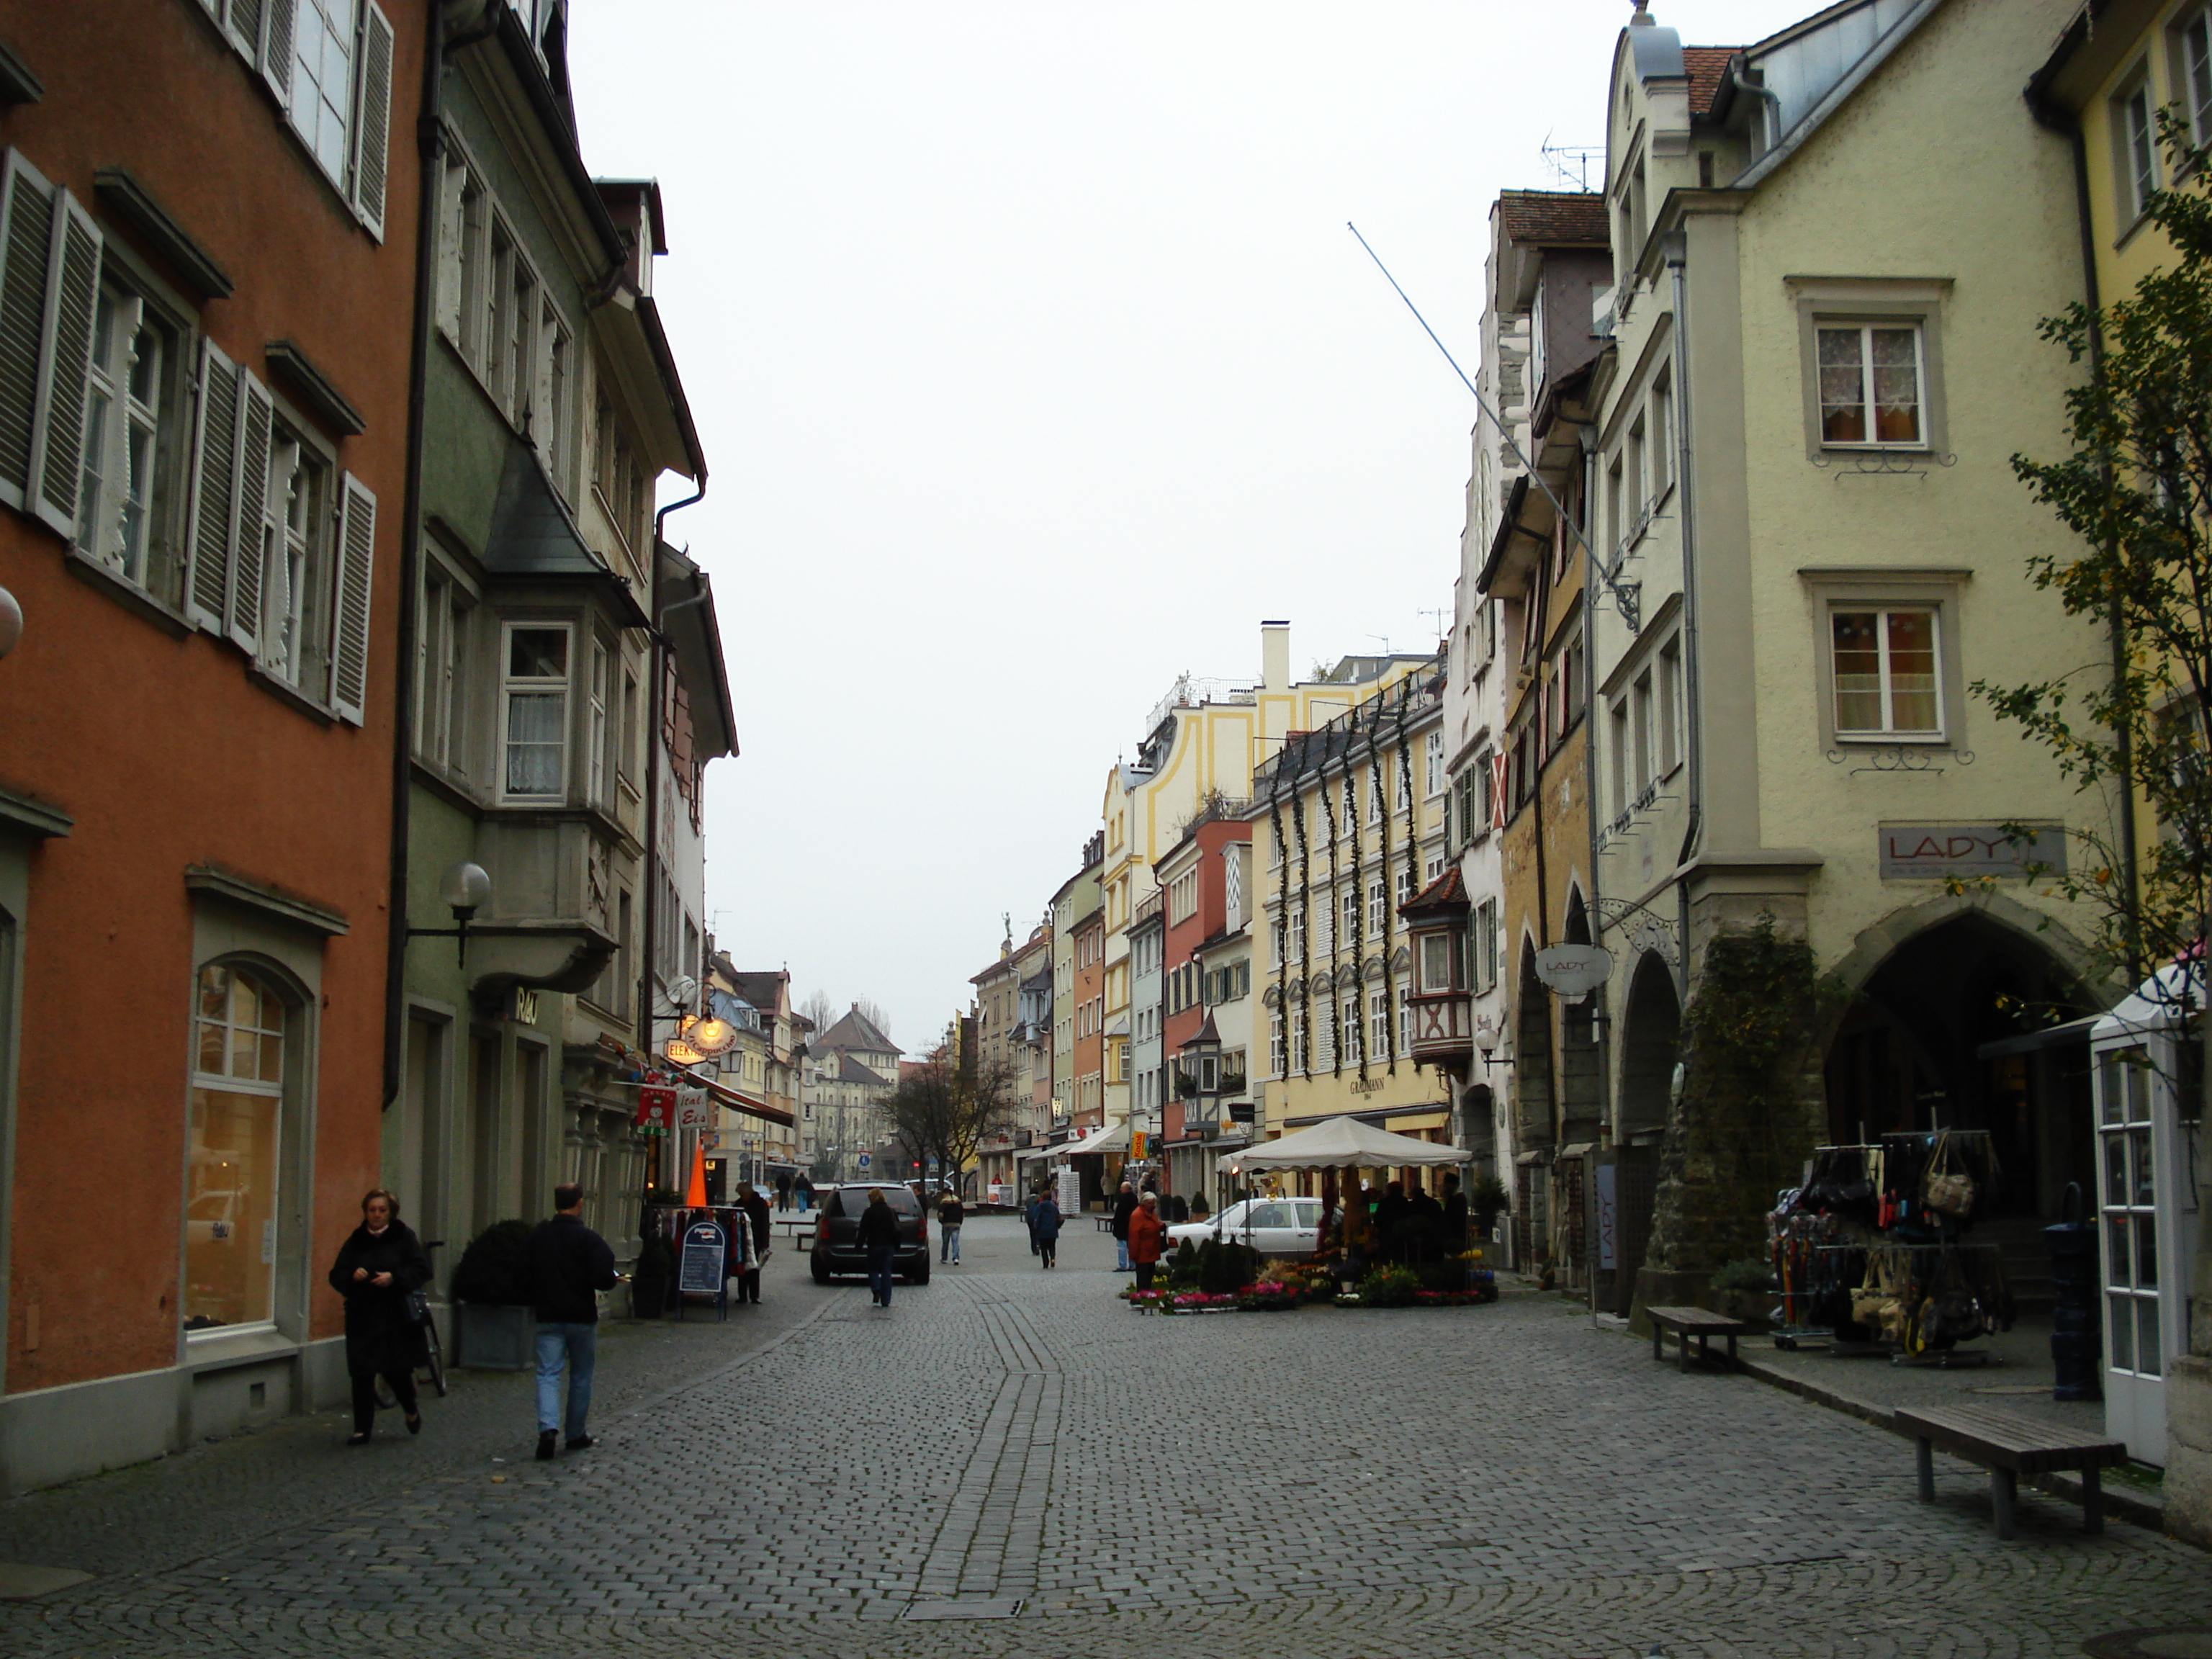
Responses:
[1831,250]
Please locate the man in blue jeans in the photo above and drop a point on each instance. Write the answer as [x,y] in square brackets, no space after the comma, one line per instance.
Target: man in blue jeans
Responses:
[570,1265]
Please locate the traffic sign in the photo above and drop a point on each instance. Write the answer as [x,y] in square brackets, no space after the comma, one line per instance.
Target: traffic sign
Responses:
[864,1160]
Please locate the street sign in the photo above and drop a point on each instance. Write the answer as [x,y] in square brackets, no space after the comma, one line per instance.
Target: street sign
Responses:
[864,1160]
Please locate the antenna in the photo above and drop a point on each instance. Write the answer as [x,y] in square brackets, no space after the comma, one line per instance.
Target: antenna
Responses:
[1571,164]
[1626,602]
[1436,613]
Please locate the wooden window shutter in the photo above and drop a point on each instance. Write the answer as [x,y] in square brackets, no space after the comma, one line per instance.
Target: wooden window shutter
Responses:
[215,491]
[250,545]
[276,47]
[349,605]
[373,120]
[72,299]
[27,230]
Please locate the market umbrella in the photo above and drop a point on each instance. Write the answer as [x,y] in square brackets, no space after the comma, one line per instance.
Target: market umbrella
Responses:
[1341,1141]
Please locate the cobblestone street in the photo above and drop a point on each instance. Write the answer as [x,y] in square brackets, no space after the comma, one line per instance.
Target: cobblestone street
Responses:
[1500,1480]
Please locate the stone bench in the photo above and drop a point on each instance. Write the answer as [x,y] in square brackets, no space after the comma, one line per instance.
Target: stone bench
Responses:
[1700,1322]
[2008,1447]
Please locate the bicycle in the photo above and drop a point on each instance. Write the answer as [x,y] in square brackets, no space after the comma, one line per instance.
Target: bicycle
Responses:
[432,1368]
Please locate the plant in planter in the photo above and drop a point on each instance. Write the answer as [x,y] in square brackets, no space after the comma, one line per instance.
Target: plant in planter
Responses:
[1182,1269]
[493,1327]
[1486,1199]
[1389,1287]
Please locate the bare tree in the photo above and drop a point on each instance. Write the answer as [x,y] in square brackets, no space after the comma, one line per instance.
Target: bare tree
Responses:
[944,1109]
[817,1008]
[873,1013]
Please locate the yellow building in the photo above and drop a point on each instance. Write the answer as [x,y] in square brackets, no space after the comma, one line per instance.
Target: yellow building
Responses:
[2116,65]
[1342,839]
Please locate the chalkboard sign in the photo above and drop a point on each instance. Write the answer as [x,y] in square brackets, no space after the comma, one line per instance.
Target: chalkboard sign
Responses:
[705,1254]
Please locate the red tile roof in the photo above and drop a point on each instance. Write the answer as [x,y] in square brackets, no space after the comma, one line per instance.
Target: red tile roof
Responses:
[1552,215]
[1708,68]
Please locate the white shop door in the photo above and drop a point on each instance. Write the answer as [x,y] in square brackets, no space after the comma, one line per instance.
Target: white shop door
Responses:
[2143,1227]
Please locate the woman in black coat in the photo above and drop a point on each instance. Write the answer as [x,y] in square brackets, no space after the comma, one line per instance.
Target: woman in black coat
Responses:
[376,1268]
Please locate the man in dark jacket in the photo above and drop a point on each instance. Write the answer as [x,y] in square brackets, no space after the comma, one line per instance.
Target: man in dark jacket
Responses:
[950,1214]
[570,1265]
[1124,1207]
[877,1234]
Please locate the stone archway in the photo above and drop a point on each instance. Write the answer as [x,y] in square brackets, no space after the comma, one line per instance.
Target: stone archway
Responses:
[1651,1044]
[1964,1022]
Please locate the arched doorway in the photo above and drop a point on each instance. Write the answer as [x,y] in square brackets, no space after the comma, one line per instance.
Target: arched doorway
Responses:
[1651,1041]
[1971,1025]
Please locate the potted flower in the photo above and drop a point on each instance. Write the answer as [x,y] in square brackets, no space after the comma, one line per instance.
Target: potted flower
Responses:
[495,1326]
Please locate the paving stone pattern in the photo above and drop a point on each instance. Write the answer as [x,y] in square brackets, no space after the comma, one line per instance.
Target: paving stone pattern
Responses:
[820,1476]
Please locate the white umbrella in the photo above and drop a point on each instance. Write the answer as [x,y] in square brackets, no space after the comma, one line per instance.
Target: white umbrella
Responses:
[1343,1140]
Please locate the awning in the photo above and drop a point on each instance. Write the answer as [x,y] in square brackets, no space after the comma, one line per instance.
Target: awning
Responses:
[1099,1140]
[737,1102]
[1029,1154]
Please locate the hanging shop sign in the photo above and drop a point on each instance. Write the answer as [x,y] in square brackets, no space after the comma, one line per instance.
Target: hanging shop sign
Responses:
[696,1110]
[656,1105]
[1929,852]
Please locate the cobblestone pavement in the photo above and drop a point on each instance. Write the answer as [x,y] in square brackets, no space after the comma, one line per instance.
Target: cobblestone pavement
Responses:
[819,1475]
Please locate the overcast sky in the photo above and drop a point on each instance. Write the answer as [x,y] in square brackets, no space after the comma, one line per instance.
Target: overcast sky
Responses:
[1034,366]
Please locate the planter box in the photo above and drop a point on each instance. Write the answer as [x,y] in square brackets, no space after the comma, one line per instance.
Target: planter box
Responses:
[492,1337]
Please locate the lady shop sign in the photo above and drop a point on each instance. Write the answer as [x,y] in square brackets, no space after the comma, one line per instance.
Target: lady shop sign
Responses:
[1931,852]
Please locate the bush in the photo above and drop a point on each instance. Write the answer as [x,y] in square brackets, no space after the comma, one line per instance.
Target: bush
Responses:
[1746,1272]
[1448,1275]
[1183,1271]
[495,1268]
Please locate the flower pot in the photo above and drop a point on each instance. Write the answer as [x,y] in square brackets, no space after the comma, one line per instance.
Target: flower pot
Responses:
[494,1337]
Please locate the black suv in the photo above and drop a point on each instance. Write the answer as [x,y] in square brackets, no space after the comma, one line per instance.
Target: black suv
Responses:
[835,1251]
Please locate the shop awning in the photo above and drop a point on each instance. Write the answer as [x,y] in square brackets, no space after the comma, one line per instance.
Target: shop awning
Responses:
[1098,1140]
[737,1102]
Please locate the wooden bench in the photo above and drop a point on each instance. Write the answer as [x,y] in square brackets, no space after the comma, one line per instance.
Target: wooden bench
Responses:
[1700,1322]
[2008,1447]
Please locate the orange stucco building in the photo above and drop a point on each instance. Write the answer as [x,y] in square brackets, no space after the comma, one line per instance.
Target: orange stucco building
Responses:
[207,292]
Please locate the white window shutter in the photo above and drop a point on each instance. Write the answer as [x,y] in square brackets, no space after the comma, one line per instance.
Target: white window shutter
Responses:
[350,607]
[251,496]
[57,429]
[373,120]
[215,490]
[244,20]
[27,230]
[276,45]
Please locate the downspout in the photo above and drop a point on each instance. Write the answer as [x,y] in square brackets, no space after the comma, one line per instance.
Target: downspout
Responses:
[1677,249]
[1600,1016]
[655,645]
[430,146]
[2058,119]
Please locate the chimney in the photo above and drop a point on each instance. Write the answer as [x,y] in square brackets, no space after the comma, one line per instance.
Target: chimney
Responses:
[1275,656]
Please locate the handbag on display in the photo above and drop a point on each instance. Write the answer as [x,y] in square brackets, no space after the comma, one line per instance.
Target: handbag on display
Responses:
[1947,1188]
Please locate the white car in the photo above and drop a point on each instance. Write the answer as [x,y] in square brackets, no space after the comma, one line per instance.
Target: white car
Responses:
[1277,1226]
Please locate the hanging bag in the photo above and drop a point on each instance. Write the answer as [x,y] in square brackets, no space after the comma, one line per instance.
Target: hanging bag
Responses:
[1947,1190]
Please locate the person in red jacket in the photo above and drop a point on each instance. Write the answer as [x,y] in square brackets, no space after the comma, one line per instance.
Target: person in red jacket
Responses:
[1147,1237]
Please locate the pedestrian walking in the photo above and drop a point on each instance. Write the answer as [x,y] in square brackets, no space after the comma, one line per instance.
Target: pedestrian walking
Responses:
[951,1213]
[380,1267]
[1124,1206]
[877,1234]
[1045,1226]
[752,1211]
[783,1189]
[1147,1238]
[570,1265]
[803,1189]
[1029,1217]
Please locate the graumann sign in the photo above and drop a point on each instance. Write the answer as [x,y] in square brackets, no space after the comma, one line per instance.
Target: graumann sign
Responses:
[1925,851]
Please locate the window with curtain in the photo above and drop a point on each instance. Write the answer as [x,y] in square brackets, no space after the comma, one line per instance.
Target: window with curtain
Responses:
[535,697]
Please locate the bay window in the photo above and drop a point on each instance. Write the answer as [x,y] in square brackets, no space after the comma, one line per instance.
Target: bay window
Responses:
[534,711]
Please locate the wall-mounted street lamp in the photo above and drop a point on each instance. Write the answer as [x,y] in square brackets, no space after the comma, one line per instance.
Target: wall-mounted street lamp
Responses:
[11,622]
[464,889]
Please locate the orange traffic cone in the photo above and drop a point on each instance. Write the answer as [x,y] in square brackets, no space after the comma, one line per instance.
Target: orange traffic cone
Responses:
[696,1194]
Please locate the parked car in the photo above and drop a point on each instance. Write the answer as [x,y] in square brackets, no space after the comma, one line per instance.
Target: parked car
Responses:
[1278,1226]
[835,1251]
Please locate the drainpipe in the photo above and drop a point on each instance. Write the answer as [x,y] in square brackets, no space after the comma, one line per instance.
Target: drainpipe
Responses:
[2056,117]
[1600,1016]
[1677,249]
[655,644]
[430,146]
